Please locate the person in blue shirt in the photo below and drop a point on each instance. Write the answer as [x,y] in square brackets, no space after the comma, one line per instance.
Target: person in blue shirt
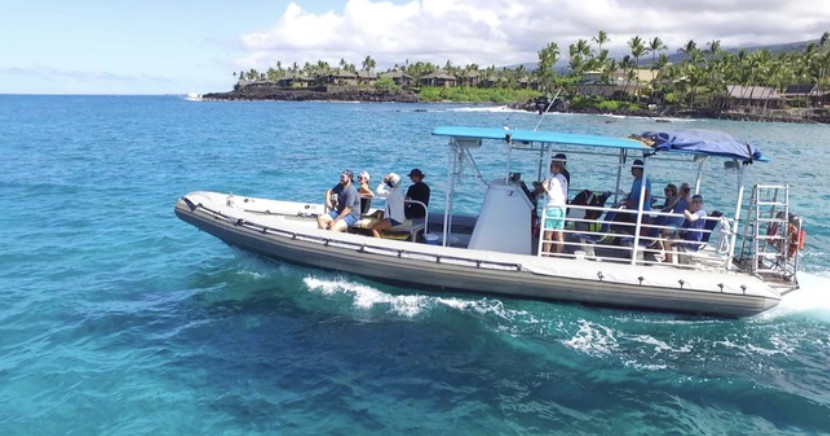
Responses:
[346,210]
[626,217]
[633,199]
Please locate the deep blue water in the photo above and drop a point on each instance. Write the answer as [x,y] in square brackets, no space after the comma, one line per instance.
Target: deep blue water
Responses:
[117,318]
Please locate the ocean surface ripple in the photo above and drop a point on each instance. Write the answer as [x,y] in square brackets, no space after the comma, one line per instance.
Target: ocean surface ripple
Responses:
[117,318]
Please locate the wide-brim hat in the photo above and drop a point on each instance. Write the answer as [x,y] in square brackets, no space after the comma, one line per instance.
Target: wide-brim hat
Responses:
[416,173]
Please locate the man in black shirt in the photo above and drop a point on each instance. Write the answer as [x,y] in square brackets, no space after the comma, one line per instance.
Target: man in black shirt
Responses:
[418,191]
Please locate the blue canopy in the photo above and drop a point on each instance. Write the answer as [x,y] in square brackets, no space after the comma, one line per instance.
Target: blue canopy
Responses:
[705,142]
[547,137]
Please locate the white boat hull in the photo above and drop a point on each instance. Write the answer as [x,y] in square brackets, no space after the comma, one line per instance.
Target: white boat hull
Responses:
[285,230]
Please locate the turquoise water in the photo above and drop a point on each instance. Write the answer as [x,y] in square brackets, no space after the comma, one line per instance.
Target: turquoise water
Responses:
[117,318]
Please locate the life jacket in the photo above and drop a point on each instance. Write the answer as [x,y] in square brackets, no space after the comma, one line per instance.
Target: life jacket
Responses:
[797,238]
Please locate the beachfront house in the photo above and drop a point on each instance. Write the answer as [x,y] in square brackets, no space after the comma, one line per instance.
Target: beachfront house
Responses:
[439,78]
[366,77]
[753,97]
[341,78]
[805,95]
[294,81]
[399,77]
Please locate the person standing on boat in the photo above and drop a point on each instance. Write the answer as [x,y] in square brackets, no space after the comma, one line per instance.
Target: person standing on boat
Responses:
[628,216]
[633,199]
[419,191]
[393,212]
[346,210]
[564,159]
[553,219]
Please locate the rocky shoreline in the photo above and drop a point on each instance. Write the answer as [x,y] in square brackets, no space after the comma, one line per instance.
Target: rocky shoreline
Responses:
[323,93]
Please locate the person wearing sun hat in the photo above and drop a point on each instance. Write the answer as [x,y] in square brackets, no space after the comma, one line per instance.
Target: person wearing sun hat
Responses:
[345,210]
[393,212]
[419,191]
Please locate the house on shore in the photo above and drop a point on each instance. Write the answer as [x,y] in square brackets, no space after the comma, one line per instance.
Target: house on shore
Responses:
[765,97]
[439,78]
[399,77]
[806,95]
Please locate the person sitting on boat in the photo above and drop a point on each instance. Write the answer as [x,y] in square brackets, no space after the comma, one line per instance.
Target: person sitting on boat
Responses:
[419,191]
[365,192]
[346,209]
[676,205]
[553,218]
[691,232]
[670,192]
[393,213]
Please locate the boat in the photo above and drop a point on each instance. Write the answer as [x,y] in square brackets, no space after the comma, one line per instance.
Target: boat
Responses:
[743,265]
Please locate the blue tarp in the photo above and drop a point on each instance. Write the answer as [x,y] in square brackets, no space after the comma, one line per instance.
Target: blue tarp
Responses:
[706,142]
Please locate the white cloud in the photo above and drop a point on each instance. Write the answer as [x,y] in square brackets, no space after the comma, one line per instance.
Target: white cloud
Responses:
[504,32]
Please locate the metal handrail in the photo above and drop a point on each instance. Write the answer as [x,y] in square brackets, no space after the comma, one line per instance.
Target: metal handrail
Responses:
[634,249]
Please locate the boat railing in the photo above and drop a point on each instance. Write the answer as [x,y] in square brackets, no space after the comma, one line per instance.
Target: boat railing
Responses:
[610,238]
[426,212]
[366,245]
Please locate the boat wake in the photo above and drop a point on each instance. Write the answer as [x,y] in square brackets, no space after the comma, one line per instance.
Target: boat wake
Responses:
[490,109]
[369,298]
[813,299]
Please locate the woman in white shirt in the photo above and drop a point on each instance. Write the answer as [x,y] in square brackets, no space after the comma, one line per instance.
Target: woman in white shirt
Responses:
[553,219]
[393,212]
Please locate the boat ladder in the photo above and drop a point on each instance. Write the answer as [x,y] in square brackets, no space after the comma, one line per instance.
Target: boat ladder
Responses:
[766,234]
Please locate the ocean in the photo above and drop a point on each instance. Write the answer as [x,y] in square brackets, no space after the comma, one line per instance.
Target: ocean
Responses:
[117,318]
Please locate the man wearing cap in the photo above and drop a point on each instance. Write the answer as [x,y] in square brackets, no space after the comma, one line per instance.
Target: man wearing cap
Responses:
[419,191]
[633,199]
[346,209]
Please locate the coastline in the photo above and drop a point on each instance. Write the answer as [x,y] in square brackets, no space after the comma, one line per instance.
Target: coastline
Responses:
[352,94]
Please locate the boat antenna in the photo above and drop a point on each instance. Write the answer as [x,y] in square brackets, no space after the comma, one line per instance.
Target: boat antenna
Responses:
[547,109]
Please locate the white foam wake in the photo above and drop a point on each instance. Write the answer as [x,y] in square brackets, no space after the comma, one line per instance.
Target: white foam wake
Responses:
[813,299]
[367,297]
[490,109]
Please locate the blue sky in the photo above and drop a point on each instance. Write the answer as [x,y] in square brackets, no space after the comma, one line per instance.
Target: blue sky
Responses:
[176,47]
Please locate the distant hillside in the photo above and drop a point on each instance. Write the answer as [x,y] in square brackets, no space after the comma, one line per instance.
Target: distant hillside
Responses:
[676,57]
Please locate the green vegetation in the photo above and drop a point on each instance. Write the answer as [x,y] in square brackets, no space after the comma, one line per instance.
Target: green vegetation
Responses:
[466,94]
[698,80]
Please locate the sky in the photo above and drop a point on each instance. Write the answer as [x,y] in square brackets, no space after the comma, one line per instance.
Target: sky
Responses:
[184,46]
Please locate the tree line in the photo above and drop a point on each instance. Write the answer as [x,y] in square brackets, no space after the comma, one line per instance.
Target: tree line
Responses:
[698,80]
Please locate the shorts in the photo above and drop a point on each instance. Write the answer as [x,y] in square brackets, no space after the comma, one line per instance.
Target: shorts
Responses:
[349,219]
[554,218]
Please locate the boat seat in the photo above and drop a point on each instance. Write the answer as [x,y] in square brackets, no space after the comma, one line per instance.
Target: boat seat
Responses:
[414,229]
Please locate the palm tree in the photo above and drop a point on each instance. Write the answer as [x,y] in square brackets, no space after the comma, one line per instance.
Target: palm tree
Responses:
[690,49]
[368,63]
[600,39]
[545,71]
[654,46]
[638,49]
